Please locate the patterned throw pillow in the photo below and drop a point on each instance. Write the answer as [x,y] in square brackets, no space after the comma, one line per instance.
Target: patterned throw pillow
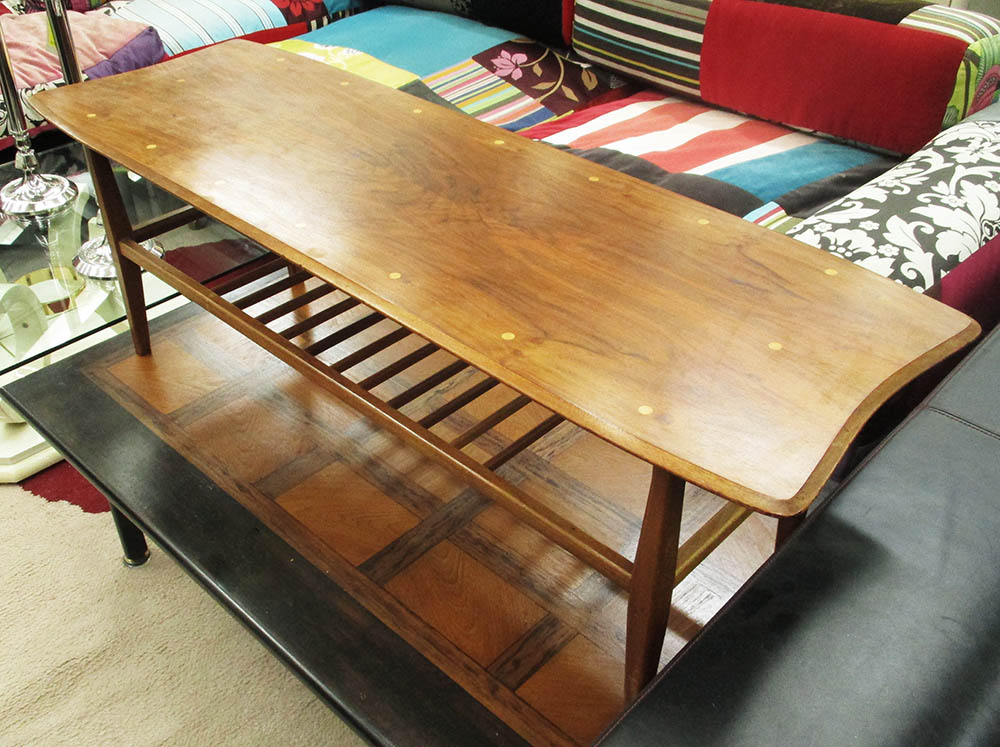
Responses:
[877,72]
[543,20]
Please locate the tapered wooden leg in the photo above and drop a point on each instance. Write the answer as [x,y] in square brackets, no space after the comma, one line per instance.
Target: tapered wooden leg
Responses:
[134,547]
[652,580]
[118,227]
[786,526]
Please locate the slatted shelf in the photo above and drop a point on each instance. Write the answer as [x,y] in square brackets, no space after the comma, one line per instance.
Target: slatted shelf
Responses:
[260,304]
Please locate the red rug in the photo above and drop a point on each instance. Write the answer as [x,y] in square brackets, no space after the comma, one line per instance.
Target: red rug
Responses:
[61,482]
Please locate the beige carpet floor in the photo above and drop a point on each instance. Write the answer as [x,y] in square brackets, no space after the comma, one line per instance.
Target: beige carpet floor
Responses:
[93,653]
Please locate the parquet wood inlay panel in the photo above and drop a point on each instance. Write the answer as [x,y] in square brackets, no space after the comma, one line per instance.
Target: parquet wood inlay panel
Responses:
[177,380]
[347,512]
[463,599]
[596,696]
[250,439]
[502,610]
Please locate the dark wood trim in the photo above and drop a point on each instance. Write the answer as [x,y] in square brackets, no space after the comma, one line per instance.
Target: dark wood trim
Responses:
[314,627]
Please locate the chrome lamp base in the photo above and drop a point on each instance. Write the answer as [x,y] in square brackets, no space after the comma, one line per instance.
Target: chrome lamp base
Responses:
[95,260]
[34,199]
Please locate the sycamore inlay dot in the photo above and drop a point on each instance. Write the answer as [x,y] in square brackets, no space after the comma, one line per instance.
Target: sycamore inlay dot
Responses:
[418,111]
[91,115]
[703,221]
[498,141]
[831,272]
[594,178]
[508,336]
[151,146]
[645,410]
[395,275]
[775,345]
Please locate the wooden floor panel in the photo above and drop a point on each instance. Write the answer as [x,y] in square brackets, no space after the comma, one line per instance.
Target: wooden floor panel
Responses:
[524,627]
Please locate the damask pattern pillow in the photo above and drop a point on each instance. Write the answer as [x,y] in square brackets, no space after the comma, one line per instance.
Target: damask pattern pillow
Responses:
[919,220]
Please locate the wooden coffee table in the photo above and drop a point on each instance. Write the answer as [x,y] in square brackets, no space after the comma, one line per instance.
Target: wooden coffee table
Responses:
[718,352]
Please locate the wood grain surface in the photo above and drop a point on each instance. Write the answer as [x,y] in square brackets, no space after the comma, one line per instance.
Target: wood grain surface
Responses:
[736,358]
[521,626]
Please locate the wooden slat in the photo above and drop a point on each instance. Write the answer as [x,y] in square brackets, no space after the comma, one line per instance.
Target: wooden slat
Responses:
[422,387]
[271,290]
[346,333]
[296,303]
[469,395]
[468,436]
[707,537]
[549,523]
[319,317]
[522,443]
[150,229]
[270,265]
[397,367]
[358,356]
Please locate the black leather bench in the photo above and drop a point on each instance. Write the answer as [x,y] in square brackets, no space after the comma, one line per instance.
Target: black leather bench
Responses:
[878,623]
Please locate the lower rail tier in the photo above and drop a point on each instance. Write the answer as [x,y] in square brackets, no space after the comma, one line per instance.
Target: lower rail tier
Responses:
[303,321]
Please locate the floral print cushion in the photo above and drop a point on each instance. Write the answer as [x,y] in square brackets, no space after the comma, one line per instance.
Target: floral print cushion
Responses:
[520,83]
[559,80]
[919,220]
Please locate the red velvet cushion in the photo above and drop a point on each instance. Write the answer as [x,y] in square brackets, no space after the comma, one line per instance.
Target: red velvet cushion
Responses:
[876,83]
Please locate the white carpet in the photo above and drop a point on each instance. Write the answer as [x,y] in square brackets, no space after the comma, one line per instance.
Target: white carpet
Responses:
[93,653]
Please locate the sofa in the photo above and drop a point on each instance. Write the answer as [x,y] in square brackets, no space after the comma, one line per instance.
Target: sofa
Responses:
[874,624]
[863,127]
[866,131]
[122,35]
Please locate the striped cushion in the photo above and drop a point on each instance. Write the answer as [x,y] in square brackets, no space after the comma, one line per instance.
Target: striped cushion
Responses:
[978,81]
[658,41]
[681,136]
[869,71]
[188,24]
[486,96]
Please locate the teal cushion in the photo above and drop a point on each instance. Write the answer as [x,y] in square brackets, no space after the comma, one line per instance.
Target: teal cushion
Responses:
[420,41]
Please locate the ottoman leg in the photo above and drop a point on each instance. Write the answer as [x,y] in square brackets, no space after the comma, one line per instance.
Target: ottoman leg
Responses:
[133,542]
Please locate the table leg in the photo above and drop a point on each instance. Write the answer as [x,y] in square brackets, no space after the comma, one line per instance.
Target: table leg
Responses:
[133,541]
[786,526]
[119,227]
[652,580]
